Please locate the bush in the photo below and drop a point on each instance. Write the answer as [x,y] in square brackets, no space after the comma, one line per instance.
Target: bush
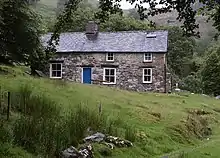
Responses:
[194,126]
[211,73]
[192,83]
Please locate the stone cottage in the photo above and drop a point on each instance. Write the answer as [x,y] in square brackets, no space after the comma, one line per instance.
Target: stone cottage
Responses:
[132,60]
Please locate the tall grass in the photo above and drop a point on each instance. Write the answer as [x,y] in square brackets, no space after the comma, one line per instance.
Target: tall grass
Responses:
[43,128]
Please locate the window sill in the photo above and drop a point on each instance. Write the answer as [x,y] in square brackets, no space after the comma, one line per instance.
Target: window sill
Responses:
[147,82]
[106,83]
[56,77]
[111,61]
[147,61]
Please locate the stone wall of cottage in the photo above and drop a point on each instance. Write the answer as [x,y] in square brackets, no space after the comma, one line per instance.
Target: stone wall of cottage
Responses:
[129,69]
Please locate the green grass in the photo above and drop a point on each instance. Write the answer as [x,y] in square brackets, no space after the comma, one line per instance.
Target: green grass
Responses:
[151,116]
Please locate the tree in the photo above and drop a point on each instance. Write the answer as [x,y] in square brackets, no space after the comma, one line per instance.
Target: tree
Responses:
[180,54]
[20,34]
[78,21]
[185,10]
[117,22]
[211,73]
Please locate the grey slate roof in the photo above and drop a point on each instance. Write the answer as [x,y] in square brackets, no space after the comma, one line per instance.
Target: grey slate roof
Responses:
[124,41]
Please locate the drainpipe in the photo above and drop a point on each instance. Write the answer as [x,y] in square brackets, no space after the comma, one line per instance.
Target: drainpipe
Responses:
[165,78]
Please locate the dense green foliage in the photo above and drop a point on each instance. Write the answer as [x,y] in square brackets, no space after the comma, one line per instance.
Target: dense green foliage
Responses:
[20,35]
[186,12]
[181,51]
[211,72]
[116,22]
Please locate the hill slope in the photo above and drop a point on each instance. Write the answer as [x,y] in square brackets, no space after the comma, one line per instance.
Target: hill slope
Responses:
[160,118]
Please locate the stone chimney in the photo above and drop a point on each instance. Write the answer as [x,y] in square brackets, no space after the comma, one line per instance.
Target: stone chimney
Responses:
[92,30]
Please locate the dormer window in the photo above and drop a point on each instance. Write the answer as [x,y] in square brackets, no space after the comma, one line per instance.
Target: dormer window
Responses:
[109,57]
[148,57]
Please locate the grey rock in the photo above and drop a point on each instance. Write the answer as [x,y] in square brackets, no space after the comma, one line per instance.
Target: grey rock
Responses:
[110,145]
[83,152]
[217,97]
[97,137]
[71,152]
[118,141]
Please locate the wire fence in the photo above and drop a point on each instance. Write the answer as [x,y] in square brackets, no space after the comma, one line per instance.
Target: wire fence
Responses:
[10,101]
[4,103]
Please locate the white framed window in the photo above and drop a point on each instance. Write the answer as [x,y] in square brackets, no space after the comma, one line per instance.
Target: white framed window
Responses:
[148,57]
[109,76]
[147,75]
[56,70]
[110,57]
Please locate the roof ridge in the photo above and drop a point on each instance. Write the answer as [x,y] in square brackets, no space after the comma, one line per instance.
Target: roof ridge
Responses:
[130,31]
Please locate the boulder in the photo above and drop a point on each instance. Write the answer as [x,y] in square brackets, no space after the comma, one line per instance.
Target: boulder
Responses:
[217,97]
[97,137]
[83,152]
[118,141]
[71,152]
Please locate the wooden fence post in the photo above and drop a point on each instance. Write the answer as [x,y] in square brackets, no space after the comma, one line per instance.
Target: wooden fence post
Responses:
[8,110]
[100,107]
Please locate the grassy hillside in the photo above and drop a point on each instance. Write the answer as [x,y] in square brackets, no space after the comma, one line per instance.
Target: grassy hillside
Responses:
[158,121]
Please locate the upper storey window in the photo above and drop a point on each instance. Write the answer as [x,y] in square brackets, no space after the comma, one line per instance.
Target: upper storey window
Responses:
[110,57]
[148,57]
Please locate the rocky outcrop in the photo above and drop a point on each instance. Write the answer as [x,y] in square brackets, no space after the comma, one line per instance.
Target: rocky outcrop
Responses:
[83,152]
[86,150]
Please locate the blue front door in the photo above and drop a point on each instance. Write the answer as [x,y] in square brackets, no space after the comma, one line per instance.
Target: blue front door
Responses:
[87,73]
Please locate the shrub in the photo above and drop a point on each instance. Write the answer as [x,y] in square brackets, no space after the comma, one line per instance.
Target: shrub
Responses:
[192,83]
[195,125]
[211,73]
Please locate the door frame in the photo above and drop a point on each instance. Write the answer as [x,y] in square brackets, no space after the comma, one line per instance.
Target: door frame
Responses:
[82,73]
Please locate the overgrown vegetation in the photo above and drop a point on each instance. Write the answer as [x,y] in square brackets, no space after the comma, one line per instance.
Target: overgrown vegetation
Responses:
[42,127]
[59,114]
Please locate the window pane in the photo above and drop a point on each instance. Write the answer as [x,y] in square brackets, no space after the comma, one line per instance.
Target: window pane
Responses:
[112,72]
[107,72]
[148,72]
[58,74]
[54,67]
[54,73]
[112,79]
[148,56]
[110,58]
[58,66]
[107,78]
[145,71]
[110,54]
[147,78]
